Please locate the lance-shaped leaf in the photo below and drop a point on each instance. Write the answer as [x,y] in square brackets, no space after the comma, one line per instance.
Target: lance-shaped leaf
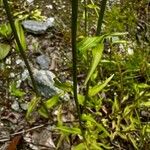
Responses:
[89,42]
[97,55]
[92,120]
[5,30]
[118,34]
[69,130]
[32,106]
[21,35]
[4,50]
[49,104]
[97,88]
[80,146]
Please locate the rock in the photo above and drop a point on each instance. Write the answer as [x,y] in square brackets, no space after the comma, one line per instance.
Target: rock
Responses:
[43,61]
[15,106]
[30,1]
[38,27]
[45,82]
[24,75]
[24,106]
[20,63]
[145,113]
[12,75]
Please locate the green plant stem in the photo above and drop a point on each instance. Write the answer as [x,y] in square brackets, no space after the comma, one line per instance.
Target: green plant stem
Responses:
[85,24]
[74,59]
[101,16]
[22,53]
[85,19]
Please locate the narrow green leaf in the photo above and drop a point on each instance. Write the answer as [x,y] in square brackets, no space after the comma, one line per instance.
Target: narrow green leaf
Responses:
[143,85]
[88,42]
[80,146]
[120,42]
[97,54]
[118,34]
[43,112]
[123,136]
[69,130]
[32,106]
[18,93]
[81,99]
[4,50]
[49,104]
[5,30]
[106,146]
[103,129]
[89,118]
[67,86]
[95,146]
[133,141]
[92,6]
[115,107]
[127,110]
[52,101]
[97,88]
[21,35]
[15,91]
[146,104]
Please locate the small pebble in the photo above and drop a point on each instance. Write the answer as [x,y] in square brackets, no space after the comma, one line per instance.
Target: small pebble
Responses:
[15,106]
[24,106]
[43,61]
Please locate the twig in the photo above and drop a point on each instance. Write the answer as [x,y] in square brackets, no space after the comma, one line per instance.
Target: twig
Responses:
[7,138]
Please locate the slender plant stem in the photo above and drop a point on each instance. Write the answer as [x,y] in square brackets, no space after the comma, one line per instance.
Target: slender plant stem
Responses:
[74,58]
[86,15]
[22,53]
[21,50]
[101,16]
[85,24]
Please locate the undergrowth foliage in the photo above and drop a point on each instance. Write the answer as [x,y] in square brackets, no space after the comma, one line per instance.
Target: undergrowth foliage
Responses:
[114,108]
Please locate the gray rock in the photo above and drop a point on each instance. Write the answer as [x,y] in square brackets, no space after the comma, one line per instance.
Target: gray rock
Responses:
[38,27]
[43,61]
[24,106]
[15,106]
[145,113]
[20,63]
[30,1]
[45,82]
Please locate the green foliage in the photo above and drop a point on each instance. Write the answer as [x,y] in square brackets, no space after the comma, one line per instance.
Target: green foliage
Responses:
[16,91]
[33,14]
[49,104]
[5,30]
[97,43]
[32,106]
[21,35]
[68,130]
[117,83]
[4,50]
[97,54]
[98,88]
